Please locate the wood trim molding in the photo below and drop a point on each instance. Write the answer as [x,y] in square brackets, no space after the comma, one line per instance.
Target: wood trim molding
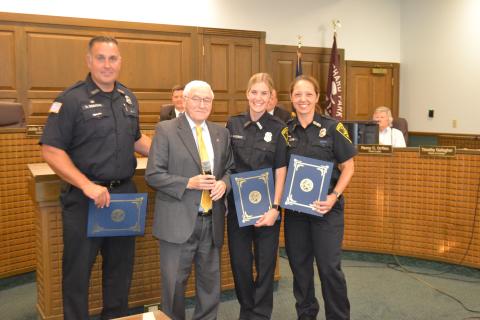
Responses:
[232,33]
[20,18]
[445,134]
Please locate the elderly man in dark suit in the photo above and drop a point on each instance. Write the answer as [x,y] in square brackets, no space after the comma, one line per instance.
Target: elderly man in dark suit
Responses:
[275,110]
[189,165]
[171,111]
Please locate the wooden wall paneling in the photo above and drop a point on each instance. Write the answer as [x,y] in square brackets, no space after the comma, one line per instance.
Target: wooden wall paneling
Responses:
[229,58]
[152,64]
[414,206]
[367,90]
[281,64]
[56,59]
[17,235]
[7,68]
[8,64]
[50,54]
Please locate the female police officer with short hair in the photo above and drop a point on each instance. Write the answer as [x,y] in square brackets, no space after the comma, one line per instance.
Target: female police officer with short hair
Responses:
[316,136]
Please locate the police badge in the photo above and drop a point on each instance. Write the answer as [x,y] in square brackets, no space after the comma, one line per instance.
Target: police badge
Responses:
[322,132]
[268,136]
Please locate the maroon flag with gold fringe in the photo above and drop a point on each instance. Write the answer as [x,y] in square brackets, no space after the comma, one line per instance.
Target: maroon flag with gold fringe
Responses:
[298,69]
[334,100]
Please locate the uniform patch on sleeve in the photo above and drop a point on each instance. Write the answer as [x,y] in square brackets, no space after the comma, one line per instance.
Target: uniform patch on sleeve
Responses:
[55,107]
[343,131]
[285,135]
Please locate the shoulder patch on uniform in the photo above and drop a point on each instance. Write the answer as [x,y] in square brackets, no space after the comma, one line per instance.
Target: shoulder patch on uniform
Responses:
[285,135]
[340,128]
[55,107]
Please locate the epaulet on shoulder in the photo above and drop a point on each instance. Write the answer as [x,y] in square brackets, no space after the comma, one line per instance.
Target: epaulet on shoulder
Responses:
[74,86]
[121,86]
[239,115]
[328,117]
[278,120]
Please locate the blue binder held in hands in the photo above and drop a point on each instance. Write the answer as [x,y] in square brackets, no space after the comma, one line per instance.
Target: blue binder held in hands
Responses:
[253,192]
[307,181]
[124,217]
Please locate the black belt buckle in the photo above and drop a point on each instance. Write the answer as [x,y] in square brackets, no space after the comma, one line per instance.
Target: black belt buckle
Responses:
[205,213]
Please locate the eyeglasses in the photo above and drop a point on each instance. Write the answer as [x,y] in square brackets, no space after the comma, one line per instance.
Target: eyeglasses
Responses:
[197,100]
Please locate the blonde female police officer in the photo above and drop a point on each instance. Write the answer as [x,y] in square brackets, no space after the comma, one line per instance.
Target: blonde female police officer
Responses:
[257,143]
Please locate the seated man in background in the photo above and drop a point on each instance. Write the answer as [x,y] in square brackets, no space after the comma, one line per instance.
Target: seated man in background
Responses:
[171,111]
[387,134]
[275,110]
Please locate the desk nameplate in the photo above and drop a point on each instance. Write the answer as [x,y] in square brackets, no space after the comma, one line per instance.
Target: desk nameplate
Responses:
[375,149]
[34,130]
[437,151]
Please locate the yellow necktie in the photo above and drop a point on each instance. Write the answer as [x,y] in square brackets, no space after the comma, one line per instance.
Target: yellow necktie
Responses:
[206,202]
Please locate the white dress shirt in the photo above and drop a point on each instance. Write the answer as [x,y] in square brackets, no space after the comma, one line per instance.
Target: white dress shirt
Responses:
[177,113]
[393,137]
[206,138]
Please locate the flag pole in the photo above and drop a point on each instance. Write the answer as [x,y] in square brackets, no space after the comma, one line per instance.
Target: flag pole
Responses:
[298,69]
[336,24]
[334,99]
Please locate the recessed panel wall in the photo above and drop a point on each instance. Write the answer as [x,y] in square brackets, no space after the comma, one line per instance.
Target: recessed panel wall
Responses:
[153,65]
[282,65]
[245,67]
[219,60]
[7,58]
[55,61]
[230,61]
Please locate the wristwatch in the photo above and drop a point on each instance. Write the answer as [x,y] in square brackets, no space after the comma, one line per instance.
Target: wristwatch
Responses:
[337,194]
[276,207]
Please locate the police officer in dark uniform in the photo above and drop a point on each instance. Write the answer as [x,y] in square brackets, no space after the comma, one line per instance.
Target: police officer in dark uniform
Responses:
[306,236]
[89,140]
[257,143]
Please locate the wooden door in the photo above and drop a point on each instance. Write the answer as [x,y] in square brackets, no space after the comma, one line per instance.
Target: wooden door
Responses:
[281,64]
[228,62]
[370,85]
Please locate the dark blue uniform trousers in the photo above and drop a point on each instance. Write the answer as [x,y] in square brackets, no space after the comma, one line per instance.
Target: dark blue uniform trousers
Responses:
[79,255]
[255,296]
[308,237]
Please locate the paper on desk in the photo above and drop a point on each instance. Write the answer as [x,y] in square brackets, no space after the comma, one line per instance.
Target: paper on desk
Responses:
[148,316]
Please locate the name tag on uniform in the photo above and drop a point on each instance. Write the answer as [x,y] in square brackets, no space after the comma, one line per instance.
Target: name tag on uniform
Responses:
[91,106]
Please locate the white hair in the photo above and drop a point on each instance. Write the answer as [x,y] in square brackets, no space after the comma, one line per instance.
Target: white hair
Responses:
[196,84]
[387,111]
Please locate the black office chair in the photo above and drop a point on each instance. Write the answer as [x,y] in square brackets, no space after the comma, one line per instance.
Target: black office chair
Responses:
[402,125]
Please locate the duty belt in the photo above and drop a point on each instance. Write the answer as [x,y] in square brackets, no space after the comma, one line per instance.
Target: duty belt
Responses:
[112,184]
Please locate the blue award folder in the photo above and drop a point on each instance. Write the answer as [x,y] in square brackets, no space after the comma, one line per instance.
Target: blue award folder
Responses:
[307,181]
[253,193]
[124,217]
